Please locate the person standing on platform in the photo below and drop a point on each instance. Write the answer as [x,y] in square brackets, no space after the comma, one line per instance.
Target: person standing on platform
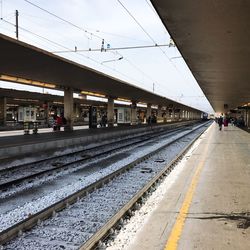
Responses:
[225,122]
[54,123]
[59,123]
[220,122]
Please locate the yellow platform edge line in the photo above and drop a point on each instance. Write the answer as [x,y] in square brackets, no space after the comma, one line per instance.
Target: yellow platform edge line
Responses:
[175,234]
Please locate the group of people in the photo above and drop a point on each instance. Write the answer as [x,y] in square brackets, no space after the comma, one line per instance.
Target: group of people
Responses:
[59,121]
[226,120]
[103,121]
[221,122]
[151,119]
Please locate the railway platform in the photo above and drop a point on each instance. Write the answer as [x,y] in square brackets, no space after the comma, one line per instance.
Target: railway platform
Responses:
[208,206]
[15,145]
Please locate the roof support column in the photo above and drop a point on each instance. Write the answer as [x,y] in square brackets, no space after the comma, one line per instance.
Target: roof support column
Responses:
[164,115]
[169,114]
[77,110]
[149,110]
[181,114]
[248,117]
[68,108]
[110,112]
[133,113]
[46,112]
[3,108]
[174,114]
[159,114]
[191,115]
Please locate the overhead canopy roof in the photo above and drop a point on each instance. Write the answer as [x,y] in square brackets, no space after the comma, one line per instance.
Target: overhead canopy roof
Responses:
[214,40]
[20,97]
[25,61]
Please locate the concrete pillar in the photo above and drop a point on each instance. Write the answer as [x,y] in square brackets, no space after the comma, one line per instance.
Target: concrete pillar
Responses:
[159,114]
[248,117]
[149,110]
[77,110]
[3,108]
[68,108]
[180,114]
[110,112]
[245,117]
[164,117]
[168,114]
[175,114]
[133,113]
[46,112]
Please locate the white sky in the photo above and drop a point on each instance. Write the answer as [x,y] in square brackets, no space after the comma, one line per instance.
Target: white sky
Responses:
[108,20]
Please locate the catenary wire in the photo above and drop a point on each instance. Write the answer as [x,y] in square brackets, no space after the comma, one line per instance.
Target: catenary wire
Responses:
[62,46]
[64,20]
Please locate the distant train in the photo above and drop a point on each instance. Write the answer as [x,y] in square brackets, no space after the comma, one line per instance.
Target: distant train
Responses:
[206,116]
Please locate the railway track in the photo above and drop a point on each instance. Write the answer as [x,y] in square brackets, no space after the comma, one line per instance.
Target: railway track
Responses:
[14,176]
[75,230]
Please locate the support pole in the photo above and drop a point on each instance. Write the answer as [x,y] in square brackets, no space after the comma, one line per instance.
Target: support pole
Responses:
[149,110]
[133,113]
[17,35]
[68,108]
[110,112]
[3,111]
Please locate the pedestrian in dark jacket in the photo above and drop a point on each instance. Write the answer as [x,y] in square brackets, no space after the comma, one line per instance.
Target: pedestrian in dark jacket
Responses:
[220,122]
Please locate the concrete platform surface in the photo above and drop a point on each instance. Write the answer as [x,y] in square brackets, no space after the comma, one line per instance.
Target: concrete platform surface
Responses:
[208,206]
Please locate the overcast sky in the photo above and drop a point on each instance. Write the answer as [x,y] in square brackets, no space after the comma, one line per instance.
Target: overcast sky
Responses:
[94,20]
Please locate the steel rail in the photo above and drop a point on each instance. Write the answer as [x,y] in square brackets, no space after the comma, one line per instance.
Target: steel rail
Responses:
[65,166]
[93,242]
[17,229]
[154,128]
[168,126]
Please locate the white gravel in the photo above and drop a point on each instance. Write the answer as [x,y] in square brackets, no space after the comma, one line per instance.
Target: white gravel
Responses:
[20,213]
[10,218]
[74,225]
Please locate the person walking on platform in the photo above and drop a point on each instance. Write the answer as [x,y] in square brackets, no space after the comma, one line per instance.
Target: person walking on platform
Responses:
[220,122]
[225,123]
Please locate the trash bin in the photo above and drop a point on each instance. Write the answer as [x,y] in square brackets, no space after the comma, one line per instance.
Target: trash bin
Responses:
[26,128]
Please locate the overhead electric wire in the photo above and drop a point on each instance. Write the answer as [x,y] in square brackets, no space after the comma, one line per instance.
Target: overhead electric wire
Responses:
[27,17]
[68,50]
[87,57]
[64,20]
[110,49]
[152,39]
[62,46]
[152,8]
